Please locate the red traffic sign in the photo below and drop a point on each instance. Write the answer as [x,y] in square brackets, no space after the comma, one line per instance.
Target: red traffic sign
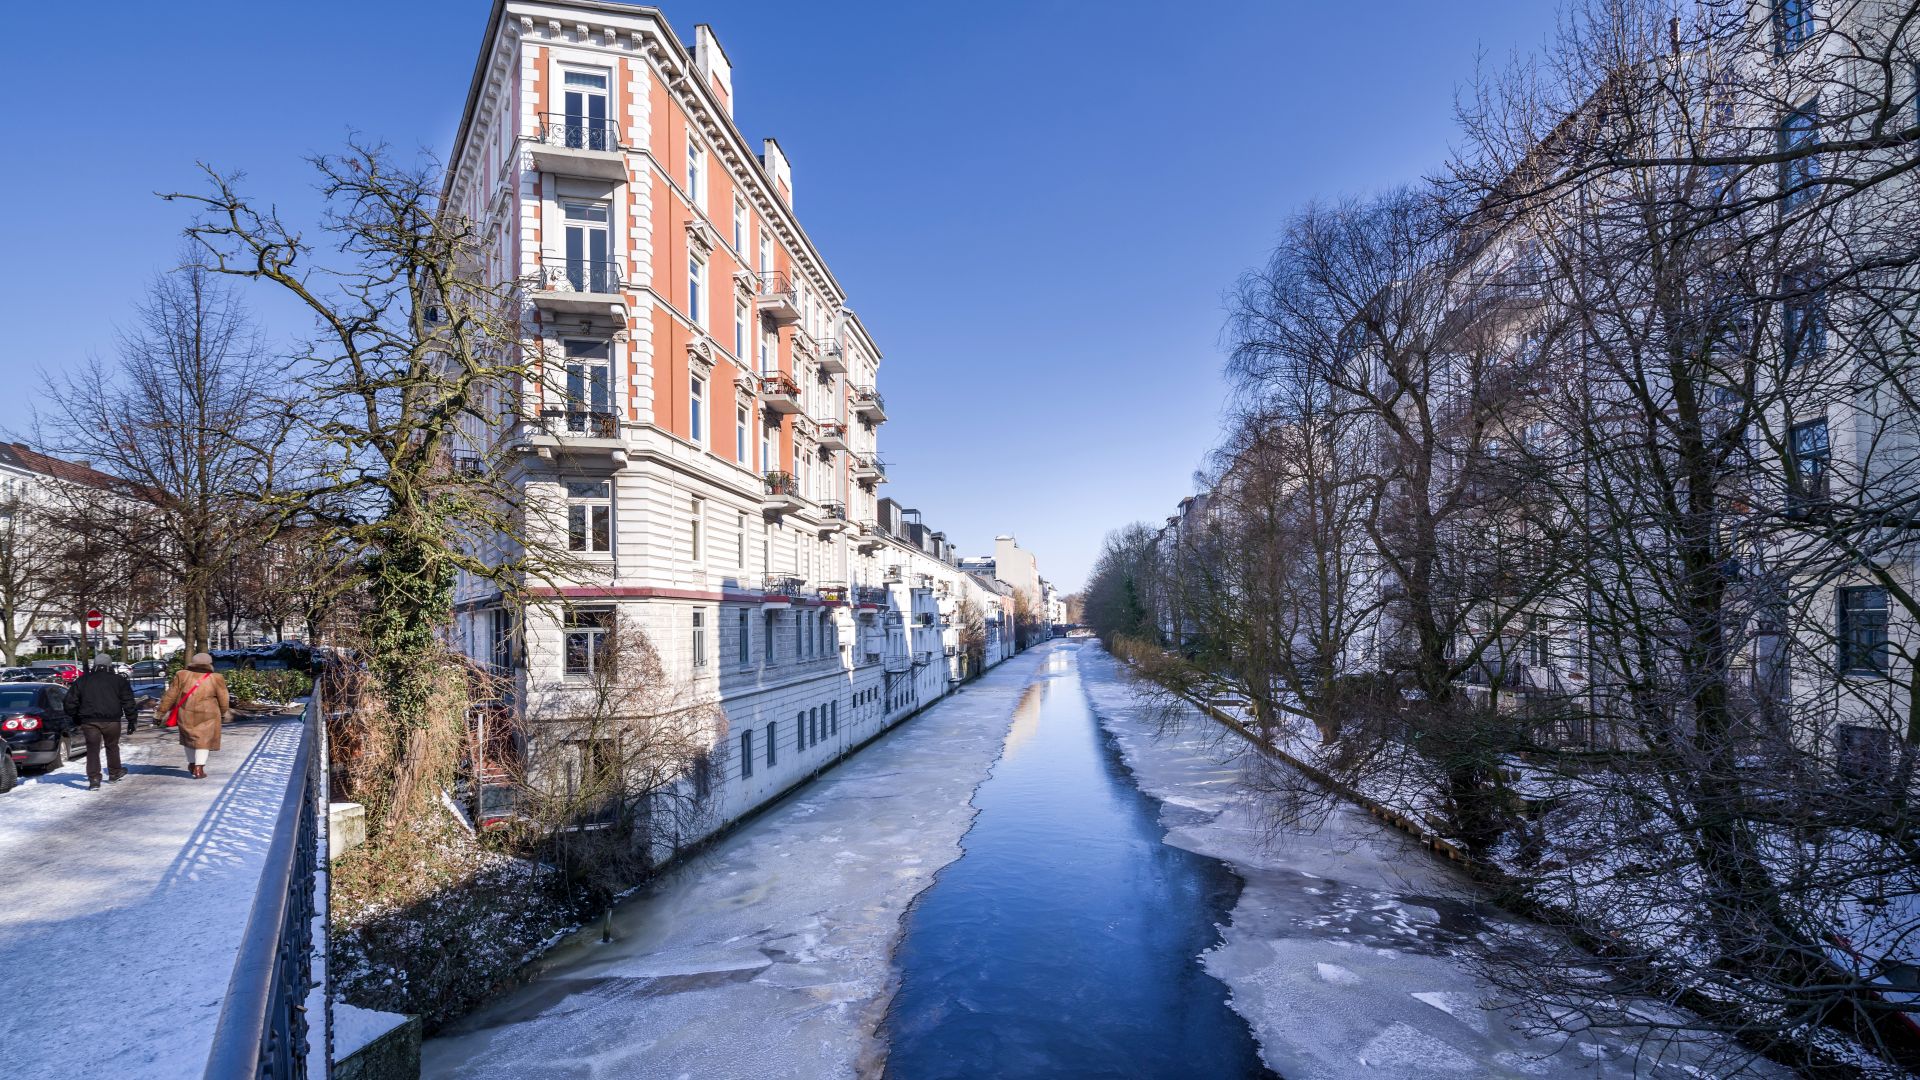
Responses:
[95,620]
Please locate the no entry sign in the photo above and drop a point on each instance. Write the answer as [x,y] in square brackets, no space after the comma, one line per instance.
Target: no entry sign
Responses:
[94,620]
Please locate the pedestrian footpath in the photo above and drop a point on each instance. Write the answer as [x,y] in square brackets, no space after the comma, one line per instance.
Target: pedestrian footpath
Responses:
[121,909]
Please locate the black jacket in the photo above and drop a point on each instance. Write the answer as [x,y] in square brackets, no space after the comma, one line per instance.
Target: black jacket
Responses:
[102,696]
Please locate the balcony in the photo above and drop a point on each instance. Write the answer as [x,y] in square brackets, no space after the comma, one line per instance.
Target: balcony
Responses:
[869,538]
[779,394]
[832,435]
[868,469]
[833,519]
[583,146]
[834,594]
[579,287]
[894,575]
[775,297]
[874,596]
[923,658]
[783,586]
[833,357]
[868,406]
[583,438]
[782,494]
[897,665]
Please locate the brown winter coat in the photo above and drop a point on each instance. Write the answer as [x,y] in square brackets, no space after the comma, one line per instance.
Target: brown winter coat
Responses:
[201,716]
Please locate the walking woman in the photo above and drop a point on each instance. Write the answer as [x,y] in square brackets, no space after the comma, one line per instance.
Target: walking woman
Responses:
[197,700]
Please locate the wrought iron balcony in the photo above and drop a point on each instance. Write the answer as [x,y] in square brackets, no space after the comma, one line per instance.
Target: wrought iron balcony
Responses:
[584,438]
[871,595]
[783,493]
[779,394]
[784,585]
[584,146]
[868,405]
[869,469]
[833,518]
[898,664]
[833,357]
[775,297]
[894,575]
[834,593]
[832,435]
[869,538]
[579,286]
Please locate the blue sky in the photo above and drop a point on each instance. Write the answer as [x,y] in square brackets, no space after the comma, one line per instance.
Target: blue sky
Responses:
[1036,207]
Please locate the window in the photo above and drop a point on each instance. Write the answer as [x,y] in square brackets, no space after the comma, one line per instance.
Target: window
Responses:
[1792,24]
[697,521]
[743,640]
[800,732]
[1863,630]
[740,540]
[746,753]
[799,635]
[742,318]
[1808,451]
[766,639]
[767,461]
[740,226]
[1798,132]
[766,253]
[833,718]
[501,635]
[696,158]
[589,251]
[1803,319]
[586,638]
[702,776]
[740,421]
[697,409]
[773,733]
[584,101]
[696,276]
[589,515]
[589,386]
[1863,753]
[767,340]
[699,638]
[813,726]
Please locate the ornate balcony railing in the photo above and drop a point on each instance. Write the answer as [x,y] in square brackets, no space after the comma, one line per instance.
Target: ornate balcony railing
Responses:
[781,482]
[833,510]
[579,132]
[784,585]
[557,274]
[776,297]
[869,594]
[587,423]
[262,1030]
[868,403]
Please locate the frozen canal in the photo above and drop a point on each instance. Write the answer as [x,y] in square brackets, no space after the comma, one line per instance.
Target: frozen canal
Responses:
[985,892]
[1066,940]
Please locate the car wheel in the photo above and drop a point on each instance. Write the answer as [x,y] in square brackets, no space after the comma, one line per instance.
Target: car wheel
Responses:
[62,753]
[9,776]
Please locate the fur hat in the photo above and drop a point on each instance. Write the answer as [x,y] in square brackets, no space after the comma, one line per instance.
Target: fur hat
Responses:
[200,660]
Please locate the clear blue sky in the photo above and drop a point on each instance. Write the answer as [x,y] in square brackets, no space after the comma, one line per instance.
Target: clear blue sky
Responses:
[1036,207]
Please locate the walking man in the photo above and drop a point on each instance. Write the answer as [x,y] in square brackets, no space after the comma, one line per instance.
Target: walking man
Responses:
[98,701]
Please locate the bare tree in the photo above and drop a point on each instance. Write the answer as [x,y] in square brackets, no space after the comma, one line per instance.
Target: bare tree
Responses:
[419,360]
[184,416]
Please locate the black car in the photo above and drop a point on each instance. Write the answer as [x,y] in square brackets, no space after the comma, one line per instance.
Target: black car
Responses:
[34,724]
[149,669]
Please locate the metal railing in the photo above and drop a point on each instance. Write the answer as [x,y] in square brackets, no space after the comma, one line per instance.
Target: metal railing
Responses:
[870,594]
[779,384]
[867,396]
[784,585]
[772,283]
[562,275]
[834,511]
[263,1026]
[579,132]
[589,423]
[897,663]
[782,482]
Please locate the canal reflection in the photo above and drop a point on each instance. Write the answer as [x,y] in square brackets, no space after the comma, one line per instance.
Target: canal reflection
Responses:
[1065,941]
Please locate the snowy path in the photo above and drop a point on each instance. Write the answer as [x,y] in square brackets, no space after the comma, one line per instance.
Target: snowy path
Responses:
[1350,951]
[768,956]
[121,909]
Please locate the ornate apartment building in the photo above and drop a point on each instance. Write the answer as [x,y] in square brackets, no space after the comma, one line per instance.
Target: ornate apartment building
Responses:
[707,432]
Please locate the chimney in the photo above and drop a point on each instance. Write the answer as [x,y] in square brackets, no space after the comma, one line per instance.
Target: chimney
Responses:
[710,60]
[776,165]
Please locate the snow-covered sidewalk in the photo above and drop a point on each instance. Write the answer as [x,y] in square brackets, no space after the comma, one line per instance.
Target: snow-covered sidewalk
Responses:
[768,956]
[1351,951]
[121,910]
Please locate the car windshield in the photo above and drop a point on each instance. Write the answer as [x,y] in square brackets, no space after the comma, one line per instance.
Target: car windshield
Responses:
[15,700]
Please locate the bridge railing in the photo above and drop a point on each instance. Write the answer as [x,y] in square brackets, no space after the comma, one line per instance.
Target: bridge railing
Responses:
[264,1026]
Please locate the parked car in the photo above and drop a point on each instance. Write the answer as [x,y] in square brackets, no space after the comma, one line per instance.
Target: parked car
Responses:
[9,775]
[64,670]
[18,674]
[148,669]
[34,724]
